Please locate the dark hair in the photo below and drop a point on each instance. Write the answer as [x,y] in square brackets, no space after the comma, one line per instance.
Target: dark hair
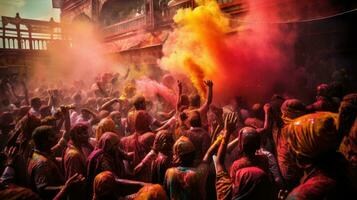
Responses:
[195,100]
[35,102]
[195,119]
[139,103]
[79,127]
[40,136]
[250,140]
[187,159]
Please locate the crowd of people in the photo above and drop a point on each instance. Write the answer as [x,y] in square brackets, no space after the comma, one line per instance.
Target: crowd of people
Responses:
[105,141]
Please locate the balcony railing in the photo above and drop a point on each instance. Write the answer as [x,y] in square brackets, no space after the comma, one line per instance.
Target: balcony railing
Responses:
[10,42]
[28,34]
[161,18]
[133,24]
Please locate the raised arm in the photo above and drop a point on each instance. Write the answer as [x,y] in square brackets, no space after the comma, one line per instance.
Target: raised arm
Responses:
[230,125]
[179,85]
[267,120]
[108,104]
[212,149]
[209,97]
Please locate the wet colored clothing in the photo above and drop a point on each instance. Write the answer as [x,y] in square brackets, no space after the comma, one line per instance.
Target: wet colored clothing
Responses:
[74,161]
[260,161]
[200,139]
[246,183]
[286,160]
[159,167]
[319,186]
[140,145]
[43,171]
[184,183]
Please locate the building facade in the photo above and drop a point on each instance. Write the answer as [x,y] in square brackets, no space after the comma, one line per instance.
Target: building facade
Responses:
[134,29]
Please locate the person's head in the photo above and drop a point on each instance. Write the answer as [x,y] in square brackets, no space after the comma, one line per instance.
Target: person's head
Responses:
[195,119]
[142,122]
[249,141]
[36,103]
[139,103]
[183,117]
[313,138]
[104,186]
[44,138]
[116,117]
[79,133]
[195,101]
[109,142]
[183,152]
[163,141]
[105,125]
[347,114]
[257,111]
[292,109]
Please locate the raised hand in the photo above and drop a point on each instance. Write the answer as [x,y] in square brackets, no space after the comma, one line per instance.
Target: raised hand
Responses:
[208,83]
[179,85]
[11,154]
[267,107]
[217,129]
[230,122]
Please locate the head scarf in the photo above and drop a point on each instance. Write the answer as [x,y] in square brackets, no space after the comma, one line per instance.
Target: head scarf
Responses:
[142,121]
[182,146]
[105,125]
[108,141]
[104,185]
[249,140]
[291,109]
[163,141]
[251,183]
[314,134]
[77,128]
[151,192]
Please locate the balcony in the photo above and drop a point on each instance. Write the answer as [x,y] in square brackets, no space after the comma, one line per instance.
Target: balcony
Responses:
[136,23]
[156,19]
[28,34]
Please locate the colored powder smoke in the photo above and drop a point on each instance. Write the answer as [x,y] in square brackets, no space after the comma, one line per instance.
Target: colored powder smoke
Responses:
[248,61]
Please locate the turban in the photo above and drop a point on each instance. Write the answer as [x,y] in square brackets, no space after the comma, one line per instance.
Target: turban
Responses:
[151,192]
[104,185]
[314,134]
[183,146]
[105,125]
[291,109]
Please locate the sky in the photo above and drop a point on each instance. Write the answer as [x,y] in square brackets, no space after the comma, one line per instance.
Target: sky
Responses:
[32,9]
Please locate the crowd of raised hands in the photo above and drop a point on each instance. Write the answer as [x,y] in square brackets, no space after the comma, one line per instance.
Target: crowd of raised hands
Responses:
[106,140]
